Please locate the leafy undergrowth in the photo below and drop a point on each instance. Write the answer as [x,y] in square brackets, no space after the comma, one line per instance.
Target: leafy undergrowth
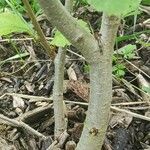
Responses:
[26,83]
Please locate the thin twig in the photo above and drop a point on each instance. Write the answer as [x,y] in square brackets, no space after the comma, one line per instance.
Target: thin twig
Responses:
[32,113]
[76,54]
[39,30]
[137,108]
[37,98]
[130,103]
[143,83]
[30,61]
[128,83]
[21,124]
[41,98]
[22,39]
[131,113]
[137,68]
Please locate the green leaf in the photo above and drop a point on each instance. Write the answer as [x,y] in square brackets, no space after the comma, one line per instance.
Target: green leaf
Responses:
[146,89]
[60,41]
[127,51]
[115,7]
[118,67]
[83,24]
[17,56]
[2,4]
[119,70]
[11,22]
[132,36]
[86,68]
[114,59]
[146,2]
[120,73]
[80,2]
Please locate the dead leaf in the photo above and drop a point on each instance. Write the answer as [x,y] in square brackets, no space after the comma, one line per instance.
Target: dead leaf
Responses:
[121,119]
[18,102]
[71,74]
[79,88]
[29,86]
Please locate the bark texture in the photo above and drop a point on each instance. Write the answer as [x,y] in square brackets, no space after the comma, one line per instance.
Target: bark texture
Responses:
[59,111]
[100,89]
[100,60]
[68,26]
[69,5]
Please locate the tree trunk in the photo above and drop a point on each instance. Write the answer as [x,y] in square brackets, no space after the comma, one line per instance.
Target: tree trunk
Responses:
[100,89]
[100,60]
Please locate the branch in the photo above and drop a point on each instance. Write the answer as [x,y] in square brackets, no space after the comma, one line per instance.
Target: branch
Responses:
[69,5]
[39,30]
[21,124]
[59,105]
[69,27]
[59,111]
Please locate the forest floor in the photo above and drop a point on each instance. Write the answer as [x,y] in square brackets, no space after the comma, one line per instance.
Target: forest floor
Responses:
[26,84]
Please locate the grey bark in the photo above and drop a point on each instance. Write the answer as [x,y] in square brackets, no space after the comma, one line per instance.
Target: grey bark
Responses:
[100,60]
[77,35]
[100,89]
[59,110]
[69,5]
